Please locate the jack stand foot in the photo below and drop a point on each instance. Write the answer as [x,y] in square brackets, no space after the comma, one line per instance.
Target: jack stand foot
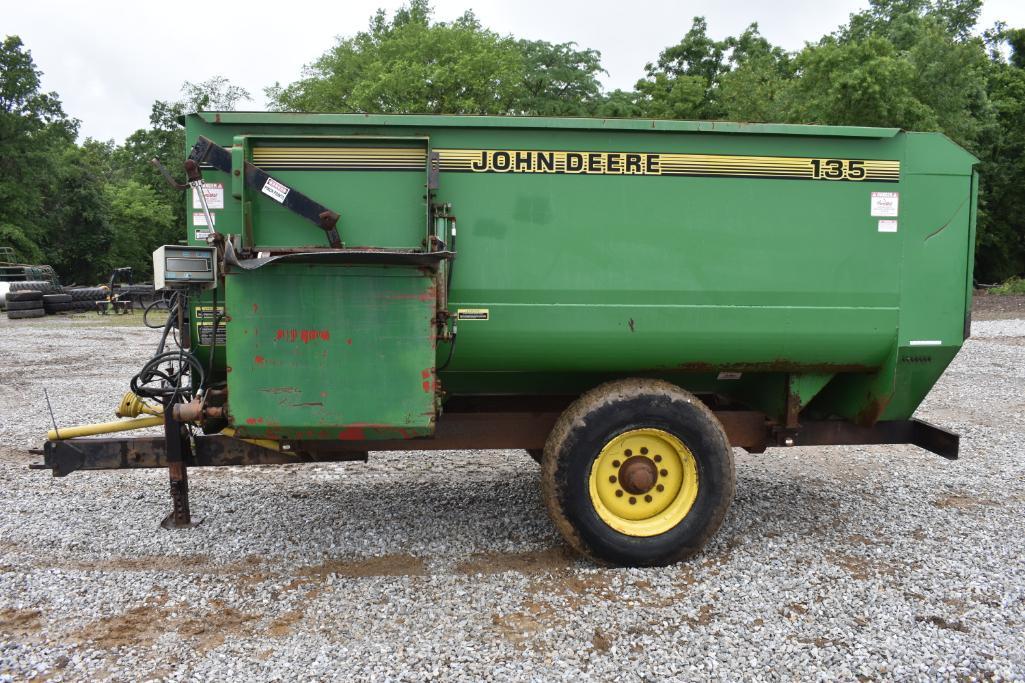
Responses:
[180,516]
[170,523]
[177,448]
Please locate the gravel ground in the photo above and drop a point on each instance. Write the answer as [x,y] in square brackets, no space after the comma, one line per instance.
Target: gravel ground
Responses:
[834,563]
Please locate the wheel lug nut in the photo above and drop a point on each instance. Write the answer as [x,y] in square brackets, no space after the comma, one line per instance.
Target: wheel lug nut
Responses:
[632,500]
[660,488]
[658,458]
[616,463]
[619,493]
[647,499]
[644,451]
[628,452]
[612,479]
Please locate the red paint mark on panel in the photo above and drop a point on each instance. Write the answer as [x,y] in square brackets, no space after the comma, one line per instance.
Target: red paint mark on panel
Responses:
[250,420]
[259,360]
[351,434]
[427,386]
[425,373]
[306,336]
[349,341]
[256,307]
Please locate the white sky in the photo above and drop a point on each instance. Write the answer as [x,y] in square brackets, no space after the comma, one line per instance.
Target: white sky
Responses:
[109,60]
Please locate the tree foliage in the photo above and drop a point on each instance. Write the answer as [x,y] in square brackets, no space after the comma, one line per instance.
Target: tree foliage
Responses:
[33,132]
[413,64]
[90,207]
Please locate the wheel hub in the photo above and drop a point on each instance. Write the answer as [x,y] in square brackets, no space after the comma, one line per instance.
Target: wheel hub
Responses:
[638,475]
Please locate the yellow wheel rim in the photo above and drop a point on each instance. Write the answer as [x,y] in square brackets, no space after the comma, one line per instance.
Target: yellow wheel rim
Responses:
[644,482]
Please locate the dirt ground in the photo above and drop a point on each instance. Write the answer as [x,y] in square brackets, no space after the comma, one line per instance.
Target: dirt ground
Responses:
[998,306]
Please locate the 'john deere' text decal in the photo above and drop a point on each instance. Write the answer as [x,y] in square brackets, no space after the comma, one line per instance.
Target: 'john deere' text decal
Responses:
[664,164]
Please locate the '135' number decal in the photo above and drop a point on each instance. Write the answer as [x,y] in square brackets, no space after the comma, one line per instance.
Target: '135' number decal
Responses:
[837,169]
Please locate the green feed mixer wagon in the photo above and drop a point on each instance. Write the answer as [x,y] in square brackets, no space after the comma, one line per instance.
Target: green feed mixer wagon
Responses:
[625,300]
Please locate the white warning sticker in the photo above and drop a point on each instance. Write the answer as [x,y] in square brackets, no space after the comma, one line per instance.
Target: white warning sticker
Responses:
[214,193]
[275,190]
[200,218]
[202,235]
[884,204]
[729,375]
[888,226]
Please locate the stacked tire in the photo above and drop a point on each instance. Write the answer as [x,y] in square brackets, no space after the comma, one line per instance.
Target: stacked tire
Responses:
[57,303]
[25,303]
[44,286]
[85,298]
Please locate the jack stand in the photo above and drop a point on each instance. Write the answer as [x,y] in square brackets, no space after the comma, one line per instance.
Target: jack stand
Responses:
[180,516]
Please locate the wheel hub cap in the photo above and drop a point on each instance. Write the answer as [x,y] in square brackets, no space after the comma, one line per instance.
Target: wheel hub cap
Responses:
[638,474]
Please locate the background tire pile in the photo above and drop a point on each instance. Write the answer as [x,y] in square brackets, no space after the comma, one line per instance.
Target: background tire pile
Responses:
[36,298]
[85,298]
[25,304]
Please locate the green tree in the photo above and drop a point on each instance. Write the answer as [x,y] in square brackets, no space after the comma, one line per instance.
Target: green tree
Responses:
[410,64]
[905,63]
[740,77]
[682,83]
[33,132]
[753,88]
[139,222]
[558,79]
[79,234]
[1000,251]
[165,140]
[621,104]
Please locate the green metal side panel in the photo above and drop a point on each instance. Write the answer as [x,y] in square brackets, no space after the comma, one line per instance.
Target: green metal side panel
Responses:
[331,352]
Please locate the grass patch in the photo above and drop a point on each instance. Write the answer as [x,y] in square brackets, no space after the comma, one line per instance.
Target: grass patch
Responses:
[85,319]
[1014,285]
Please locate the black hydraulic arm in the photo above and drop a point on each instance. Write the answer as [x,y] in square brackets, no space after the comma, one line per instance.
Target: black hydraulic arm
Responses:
[205,151]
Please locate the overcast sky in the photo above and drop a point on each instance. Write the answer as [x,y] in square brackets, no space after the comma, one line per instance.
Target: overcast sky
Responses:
[109,60]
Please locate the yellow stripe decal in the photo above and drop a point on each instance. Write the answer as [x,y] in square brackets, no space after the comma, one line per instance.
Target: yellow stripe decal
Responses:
[577,163]
[341,158]
[664,164]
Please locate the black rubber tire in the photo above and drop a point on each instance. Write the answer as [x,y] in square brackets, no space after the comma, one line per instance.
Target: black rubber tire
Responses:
[83,306]
[58,308]
[589,424]
[51,299]
[89,294]
[536,453]
[31,313]
[24,305]
[35,286]
[25,295]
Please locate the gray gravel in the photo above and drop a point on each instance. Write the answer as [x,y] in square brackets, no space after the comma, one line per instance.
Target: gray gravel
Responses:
[834,564]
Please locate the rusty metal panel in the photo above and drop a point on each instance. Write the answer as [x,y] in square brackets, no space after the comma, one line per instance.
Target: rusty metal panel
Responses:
[330,351]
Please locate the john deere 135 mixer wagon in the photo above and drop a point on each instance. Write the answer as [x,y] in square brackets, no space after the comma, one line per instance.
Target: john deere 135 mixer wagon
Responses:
[625,300]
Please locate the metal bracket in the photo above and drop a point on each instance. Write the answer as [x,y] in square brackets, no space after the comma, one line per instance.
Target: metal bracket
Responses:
[433,169]
[205,151]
